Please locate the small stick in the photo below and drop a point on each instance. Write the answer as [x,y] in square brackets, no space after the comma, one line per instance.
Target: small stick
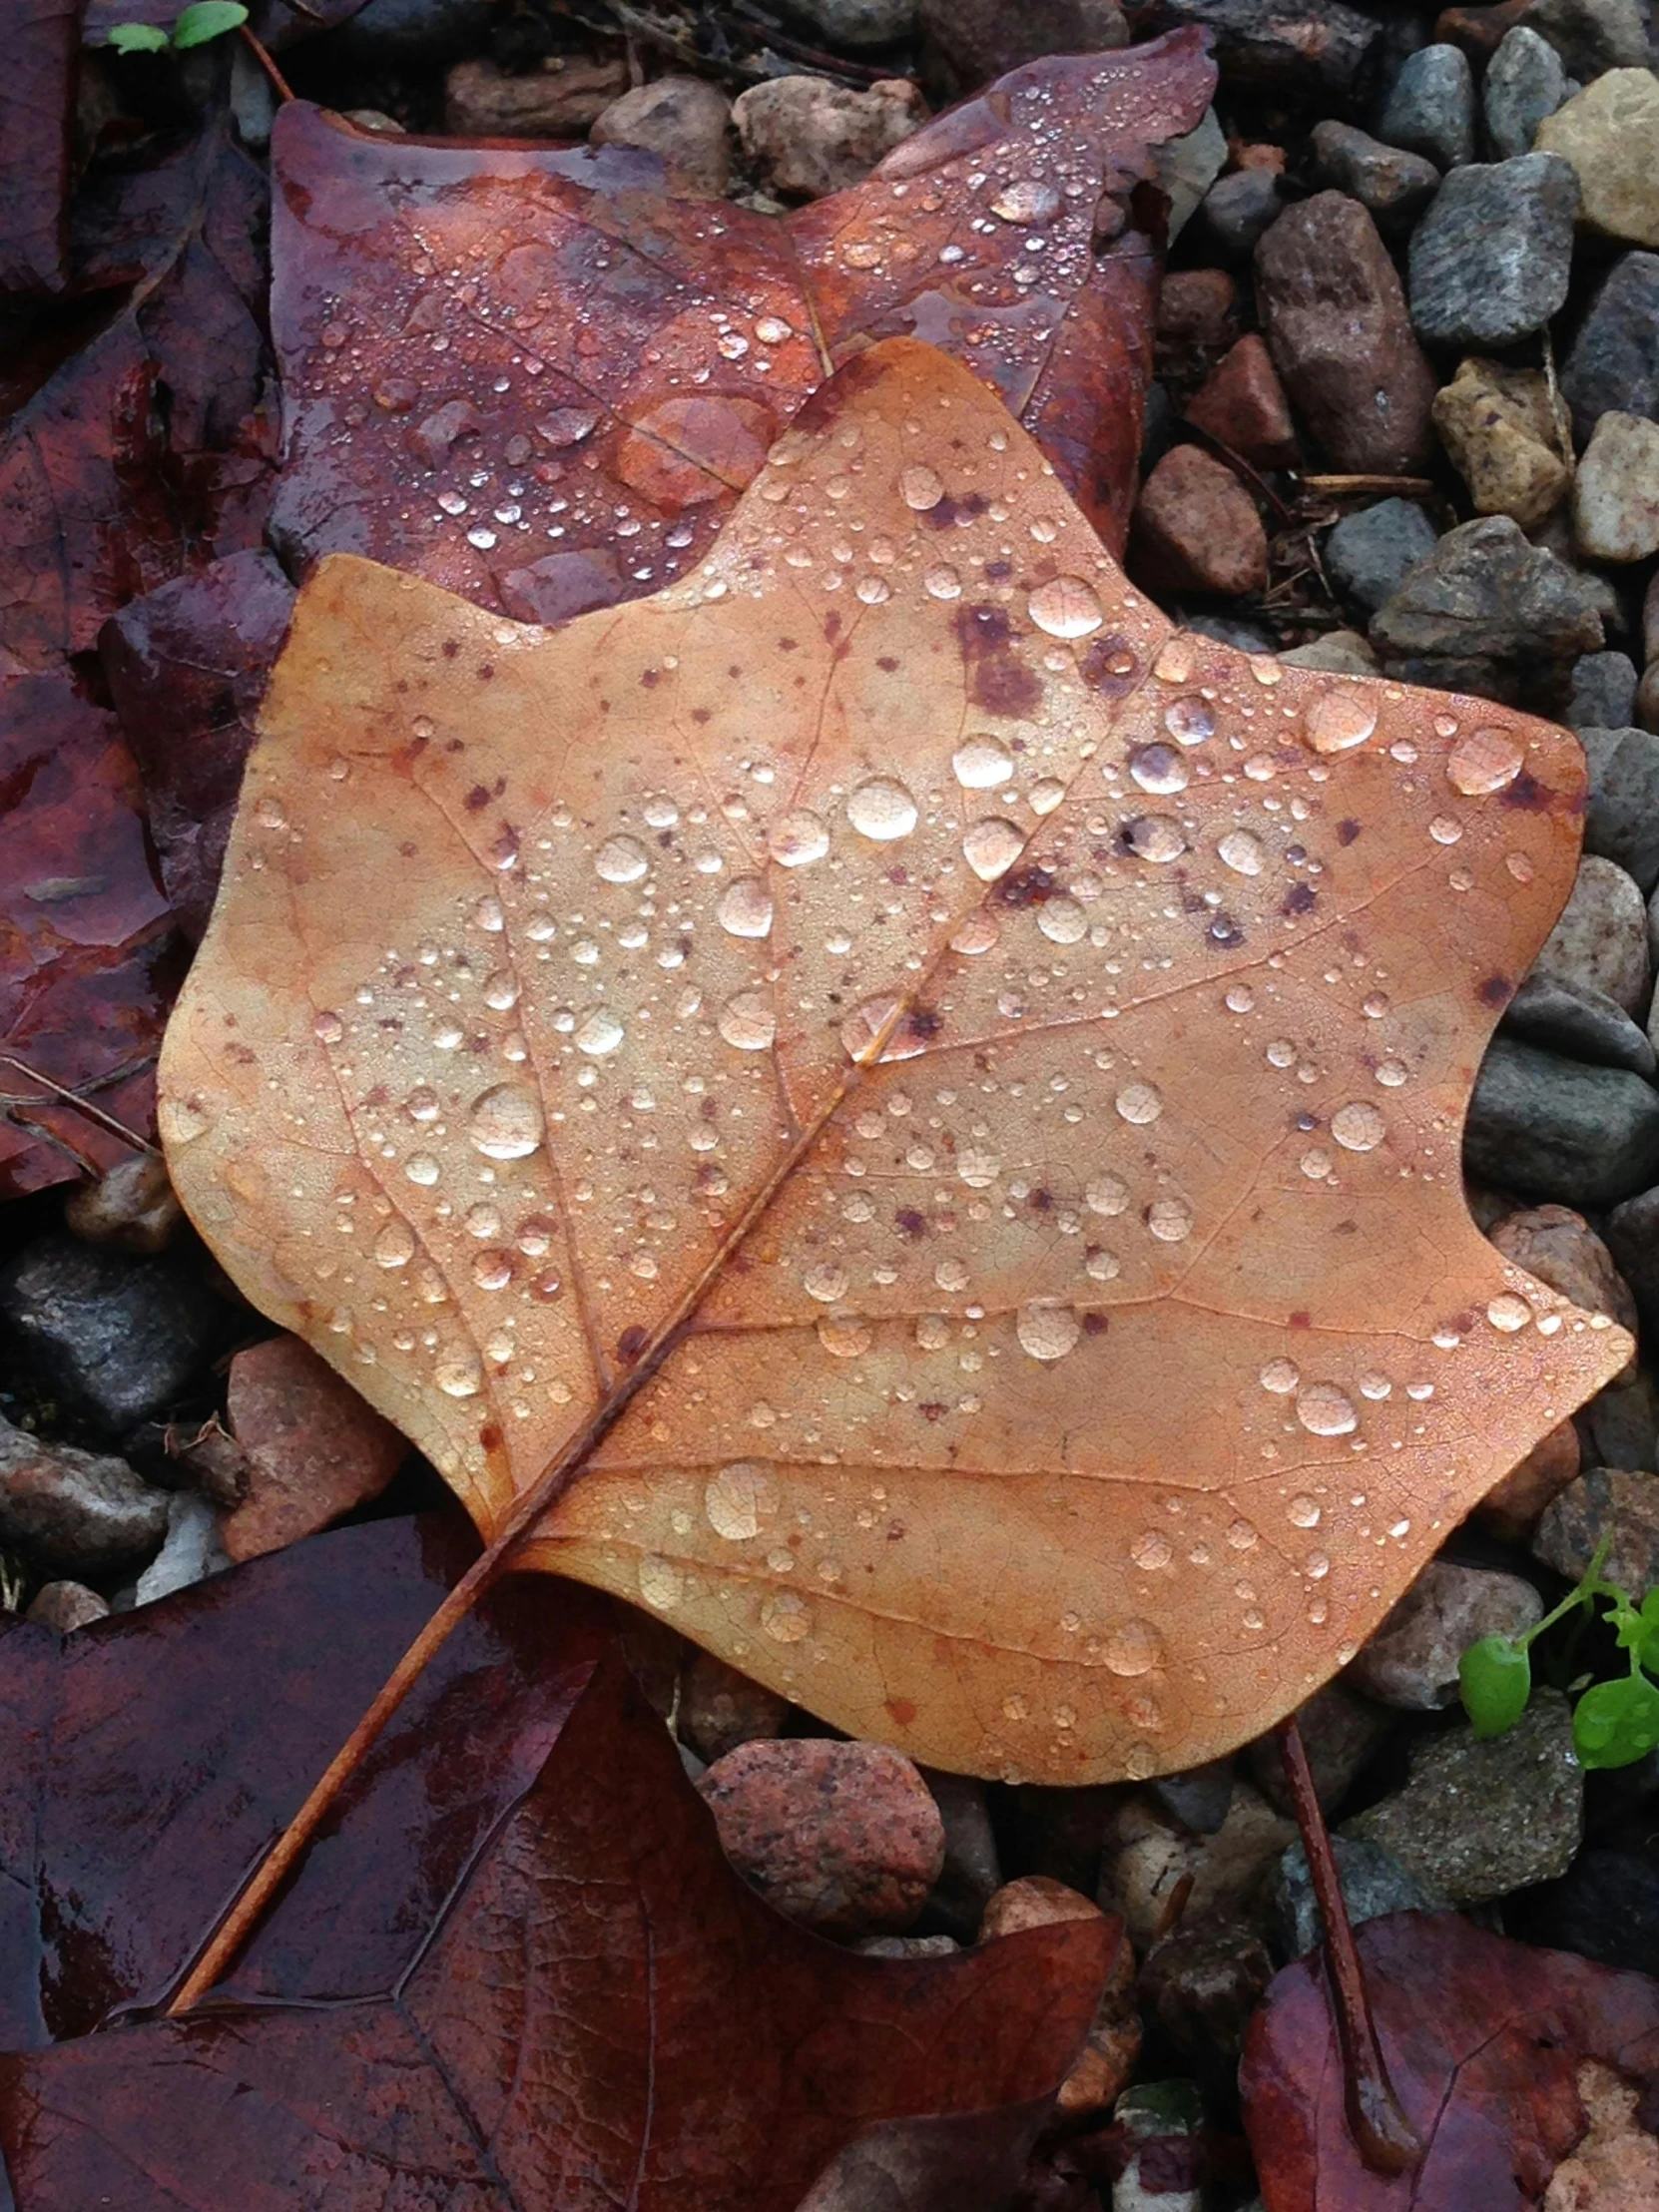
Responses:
[1385,2138]
[71,1098]
[1408,487]
[284,91]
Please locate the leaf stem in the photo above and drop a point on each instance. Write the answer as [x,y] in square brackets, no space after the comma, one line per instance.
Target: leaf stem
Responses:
[1584,1592]
[1384,2136]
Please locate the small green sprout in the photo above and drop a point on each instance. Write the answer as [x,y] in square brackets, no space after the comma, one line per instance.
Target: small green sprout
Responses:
[201,21]
[1614,1723]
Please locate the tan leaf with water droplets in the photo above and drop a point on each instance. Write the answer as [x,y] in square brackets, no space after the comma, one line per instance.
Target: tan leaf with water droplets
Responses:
[933,1097]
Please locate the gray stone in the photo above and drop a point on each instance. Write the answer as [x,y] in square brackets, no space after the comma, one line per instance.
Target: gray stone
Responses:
[1603,694]
[1620,1423]
[685,121]
[1582,1024]
[404,31]
[859,22]
[1319,51]
[1430,110]
[77,1511]
[1368,553]
[1609,132]
[1200,1798]
[1238,209]
[1647,697]
[1618,1505]
[1600,940]
[109,1338]
[1613,363]
[1233,630]
[1623,821]
[975,41]
[1592,36]
[1582,1135]
[65,1607]
[1410,1658]
[1489,613]
[1186,166]
[1631,1232]
[1340,1733]
[1615,499]
[1478,1820]
[1374,1881]
[971,1873]
[721,1708]
[808,137]
[1394,186]
[1338,653]
[905,1946]
[1490,260]
[190,1552]
[1525,81]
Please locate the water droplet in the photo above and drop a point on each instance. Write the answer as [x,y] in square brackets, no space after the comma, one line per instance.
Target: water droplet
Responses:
[1150,1551]
[1155,837]
[1302,1512]
[1390,1074]
[395,1247]
[1107,1193]
[1358,1127]
[422,1104]
[492,1270]
[1238,999]
[1170,1220]
[943,582]
[882,809]
[599,1034]
[1375,1386]
[1509,1312]
[1281,1376]
[1445,829]
[1485,761]
[740,1500]
[991,847]
[844,1336]
[981,762]
[1133,1647]
[785,1618]
[1239,852]
[271,813]
[747,1020]
[1026,200]
[933,1331]
[507,1122]
[421,1167]
[489,914]
[1190,721]
[827,1282]
[744,909]
[1159,768]
[1047,1330]
[458,1373]
[977,1167]
[1140,1102]
[798,838]
[621,860]
[328,1028]
[920,488]
[661,1583]
[1337,720]
[1065,606]
[501,990]
[1521,865]
[977,933]
[1062,920]
[1324,1411]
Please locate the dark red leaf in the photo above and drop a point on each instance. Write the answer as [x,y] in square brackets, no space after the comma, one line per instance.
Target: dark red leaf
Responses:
[1484,2040]
[37,108]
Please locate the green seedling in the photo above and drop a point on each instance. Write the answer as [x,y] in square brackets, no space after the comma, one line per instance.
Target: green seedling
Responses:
[203,20]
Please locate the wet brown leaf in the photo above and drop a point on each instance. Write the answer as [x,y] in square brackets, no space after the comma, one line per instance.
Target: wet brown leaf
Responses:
[37,108]
[935,1099]
[530,376]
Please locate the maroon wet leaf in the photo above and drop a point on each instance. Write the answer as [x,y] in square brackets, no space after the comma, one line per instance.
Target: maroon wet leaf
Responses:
[528,376]
[604,2015]
[1501,2056]
[36,109]
[88,957]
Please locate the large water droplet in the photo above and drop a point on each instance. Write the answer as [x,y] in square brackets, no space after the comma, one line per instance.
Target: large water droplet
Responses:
[748,1021]
[1325,1411]
[744,909]
[421,1167]
[981,762]
[458,1373]
[1155,837]
[798,838]
[1133,1647]
[507,1122]
[1047,1330]
[1302,1512]
[1107,1193]
[1485,761]
[621,860]
[990,847]
[599,1034]
[1170,1220]
[1508,1312]
[1337,720]
[1190,721]
[882,809]
[977,1167]
[740,1500]
[1358,1127]
[1026,200]
[1239,852]
[661,1583]
[395,1247]
[1281,1376]
[1140,1102]
[920,488]
[844,1336]
[328,1028]
[1065,606]
[1159,768]
[1151,1550]
[1062,920]
[501,990]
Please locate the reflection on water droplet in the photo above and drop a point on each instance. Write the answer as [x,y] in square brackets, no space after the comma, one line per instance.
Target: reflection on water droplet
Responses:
[1065,606]
[798,838]
[1279,1377]
[744,909]
[1338,720]
[421,1167]
[661,1583]
[1140,1102]
[920,488]
[621,860]
[1047,1330]
[328,1028]
[740,1500]
[1062,920]
[1302,1512]
[785,1618]
[458,1373]
[844,1336]
[1133,1647]
[882,809]
[1239,852]
[1190,721]
[1485,761]
[981,762]
[1324,1411]
[991,847]
[1358,1127]
[1508,1312]
[1155,837]
[1159,768]
[748,1021]
[395,1247]
[507,1122]
[1026,200]
[598,1034]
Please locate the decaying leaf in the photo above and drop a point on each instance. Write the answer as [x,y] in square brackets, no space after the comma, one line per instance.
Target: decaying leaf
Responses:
[37,108]
[604,2014]
[531,376]
[1501,2056]
[935,1099]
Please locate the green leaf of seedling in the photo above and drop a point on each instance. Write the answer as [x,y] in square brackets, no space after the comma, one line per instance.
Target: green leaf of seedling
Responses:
[207,19]
[1496,1680]
[138,38]
[1616,1723]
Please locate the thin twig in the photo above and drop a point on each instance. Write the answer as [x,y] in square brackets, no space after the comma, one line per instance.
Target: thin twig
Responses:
[71,1098]
[1384,2136]
[1406,487]
[284,91]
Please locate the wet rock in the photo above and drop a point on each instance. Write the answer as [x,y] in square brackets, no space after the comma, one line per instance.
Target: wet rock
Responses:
[313,1448]
[401,32]
[1620,1423]
[1199,1798]
[978,40]
[1491,260]
[1525,81]
[907,1946]
[78,1511]
[1370,553]
[721,1708]
[1613,363]
[1196,528]
[1489,613]
[191,1551]
[971,1873]
[1149,1854]
[1633,1237]
[1560,1248]
[1587,1136]
[1374,1881]
[108,1337]
[1236,631]
[1186,166]
[1498,427]
[1478,1820]
[1592,36]
[1152,2121]
[1610,133]
[1480,30]
[1511,1508]
[1338,653]
[1394,186]
[1200,1988]
[686,121]
[558,100]
[1340,1733]
[1622,825]
[1242,403]
[1603,697]
[859,22]
[1621,1504]
[1411,1659]
[1615,503]
[1600,942]
[1239,208]
[66,1606]
[808,137]
[131,1209]
[1431,108]
[1198,309]
[1578,1024]
[1108,2057]
[1341,339]
[1605,1906]
[844,1838]
[1650,619]
[1059,1832]
[1296,49]
[1647,697]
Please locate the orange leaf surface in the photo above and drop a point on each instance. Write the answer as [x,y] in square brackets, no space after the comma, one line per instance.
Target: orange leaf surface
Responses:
[933,1096]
